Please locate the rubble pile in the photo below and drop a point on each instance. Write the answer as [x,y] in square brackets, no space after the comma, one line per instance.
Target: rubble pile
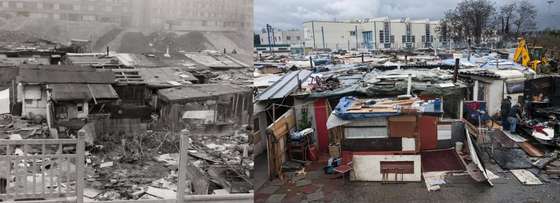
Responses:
[113,174]
[27,129]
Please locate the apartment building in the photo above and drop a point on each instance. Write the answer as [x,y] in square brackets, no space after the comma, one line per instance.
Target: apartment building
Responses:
[176,15]
[293,37]
[374,34]
[202,15]
[107,11]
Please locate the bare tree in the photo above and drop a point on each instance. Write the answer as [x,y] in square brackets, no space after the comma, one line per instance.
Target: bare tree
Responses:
[506,17]
[470,19]
[525,20]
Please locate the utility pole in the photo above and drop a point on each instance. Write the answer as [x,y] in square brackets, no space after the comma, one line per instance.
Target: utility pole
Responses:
[356,32]
[268,28]
[323,36]
[273,37]
[313,30]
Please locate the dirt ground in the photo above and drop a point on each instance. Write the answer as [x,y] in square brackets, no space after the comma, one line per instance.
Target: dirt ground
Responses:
[319,187]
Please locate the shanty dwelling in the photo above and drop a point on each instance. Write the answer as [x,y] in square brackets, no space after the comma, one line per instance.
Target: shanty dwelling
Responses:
[493,85]
[394,140]
[64,96]
[273,102]
[205,106]
[138,87]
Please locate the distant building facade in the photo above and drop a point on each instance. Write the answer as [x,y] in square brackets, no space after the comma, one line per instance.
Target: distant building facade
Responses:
[201,15]
[294,38]
[374,34]
[177,15]
[108,11]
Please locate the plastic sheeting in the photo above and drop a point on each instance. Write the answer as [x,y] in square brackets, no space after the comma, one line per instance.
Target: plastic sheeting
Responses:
[334,121]
[5,101]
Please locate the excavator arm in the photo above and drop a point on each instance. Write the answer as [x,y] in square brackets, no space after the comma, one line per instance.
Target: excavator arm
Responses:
[521,52]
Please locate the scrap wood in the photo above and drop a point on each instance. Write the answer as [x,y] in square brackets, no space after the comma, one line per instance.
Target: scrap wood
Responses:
[374,110]
[514,137]
[555,171]
[541,163]
[555,163]
[161,193]
[530,149]
[526,177]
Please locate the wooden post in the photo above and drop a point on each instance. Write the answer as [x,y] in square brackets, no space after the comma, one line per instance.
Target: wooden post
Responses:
[183,157]
[80,167]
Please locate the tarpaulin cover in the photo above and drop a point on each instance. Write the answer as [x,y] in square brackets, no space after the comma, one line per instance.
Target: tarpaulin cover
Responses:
[341,110]
[352,90]
[5,101]
[334,121]
[511,158]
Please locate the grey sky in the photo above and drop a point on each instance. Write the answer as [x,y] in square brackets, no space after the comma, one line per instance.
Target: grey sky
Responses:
[288,14]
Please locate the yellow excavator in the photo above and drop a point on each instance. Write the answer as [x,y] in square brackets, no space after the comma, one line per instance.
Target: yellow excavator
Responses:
[529,56]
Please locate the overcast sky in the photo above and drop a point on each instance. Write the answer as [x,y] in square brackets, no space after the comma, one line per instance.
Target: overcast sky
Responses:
[288,14]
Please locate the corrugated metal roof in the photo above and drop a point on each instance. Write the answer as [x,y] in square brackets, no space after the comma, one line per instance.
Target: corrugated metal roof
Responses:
[215,61]
[155,77]
[284,86]
[66,92]
[65,75]
[199,92]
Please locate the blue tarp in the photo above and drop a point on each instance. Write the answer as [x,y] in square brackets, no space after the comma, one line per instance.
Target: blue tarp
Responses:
[341,110]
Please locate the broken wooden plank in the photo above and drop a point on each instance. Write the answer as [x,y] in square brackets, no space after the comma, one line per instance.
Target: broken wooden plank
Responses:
[531,150]
[514,137]
[526,177]
[552,171]
[541,163]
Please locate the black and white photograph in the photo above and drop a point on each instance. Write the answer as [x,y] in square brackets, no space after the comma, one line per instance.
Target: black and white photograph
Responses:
[126,101]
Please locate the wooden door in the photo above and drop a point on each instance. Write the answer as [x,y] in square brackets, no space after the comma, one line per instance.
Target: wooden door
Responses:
[427,128]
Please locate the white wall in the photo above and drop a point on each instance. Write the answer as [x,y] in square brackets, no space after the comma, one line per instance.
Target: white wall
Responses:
[34,101]
[367,167]
[337,34]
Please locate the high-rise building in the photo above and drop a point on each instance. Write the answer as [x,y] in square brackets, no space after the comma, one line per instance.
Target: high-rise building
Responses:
[107,11]
[202,15]
[176,15]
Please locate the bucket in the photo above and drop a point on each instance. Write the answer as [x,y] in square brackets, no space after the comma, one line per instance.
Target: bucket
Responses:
[459,146]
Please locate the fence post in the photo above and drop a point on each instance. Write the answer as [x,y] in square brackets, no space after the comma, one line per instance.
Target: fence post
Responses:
[183,157]
[80,166]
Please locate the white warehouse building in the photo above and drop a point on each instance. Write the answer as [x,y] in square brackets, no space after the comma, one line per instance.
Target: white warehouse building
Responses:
[374,34]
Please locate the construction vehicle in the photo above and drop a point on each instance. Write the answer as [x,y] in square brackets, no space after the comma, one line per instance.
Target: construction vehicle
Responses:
[530,56]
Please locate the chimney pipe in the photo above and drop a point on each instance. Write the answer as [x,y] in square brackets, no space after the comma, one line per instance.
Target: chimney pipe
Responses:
[409,88]
[456,71]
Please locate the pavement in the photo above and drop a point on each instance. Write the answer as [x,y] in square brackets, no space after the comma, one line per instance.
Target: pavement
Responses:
[320,187]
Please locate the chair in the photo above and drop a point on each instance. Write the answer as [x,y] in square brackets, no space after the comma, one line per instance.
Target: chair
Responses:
[301,147]
[344,169]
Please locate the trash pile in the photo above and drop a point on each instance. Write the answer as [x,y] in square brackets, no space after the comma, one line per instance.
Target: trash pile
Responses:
[217,164]
[27,129]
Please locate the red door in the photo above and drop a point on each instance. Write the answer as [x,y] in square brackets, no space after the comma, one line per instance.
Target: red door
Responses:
[427,128]
[321,117]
